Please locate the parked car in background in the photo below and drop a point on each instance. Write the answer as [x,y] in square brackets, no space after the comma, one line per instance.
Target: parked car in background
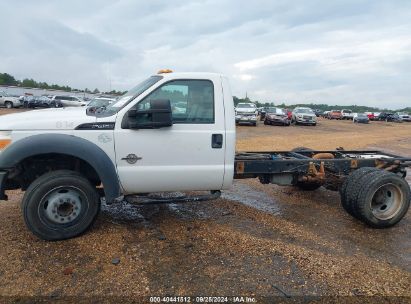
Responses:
[393,117]
[276,116]
[302,115]
[39,102]
[262,112]
[246,113]
[371,116]
[383,116]
[325,114]
[360,118]
[289,114]
[347,114]
[67,101]
[26,100]
[335,114]
[9,101]
[317,112]
[404,116]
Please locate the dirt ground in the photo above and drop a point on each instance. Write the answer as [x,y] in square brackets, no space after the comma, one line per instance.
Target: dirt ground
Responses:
[257,240]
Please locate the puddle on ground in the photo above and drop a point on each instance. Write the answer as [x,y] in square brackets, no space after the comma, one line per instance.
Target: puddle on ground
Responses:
[239,192]
[128,212]
[123,211]
[246,195]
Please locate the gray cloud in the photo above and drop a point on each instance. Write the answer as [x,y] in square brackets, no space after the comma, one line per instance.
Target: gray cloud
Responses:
[347,52]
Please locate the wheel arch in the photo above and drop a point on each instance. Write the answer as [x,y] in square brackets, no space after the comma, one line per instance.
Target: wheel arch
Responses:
[61,144]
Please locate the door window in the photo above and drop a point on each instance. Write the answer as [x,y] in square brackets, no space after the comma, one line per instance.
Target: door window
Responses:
[192,101]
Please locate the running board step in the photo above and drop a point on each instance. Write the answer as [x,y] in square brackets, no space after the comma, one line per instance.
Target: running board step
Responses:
[151,199]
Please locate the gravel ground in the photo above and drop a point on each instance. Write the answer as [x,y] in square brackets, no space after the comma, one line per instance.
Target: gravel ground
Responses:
[257,240]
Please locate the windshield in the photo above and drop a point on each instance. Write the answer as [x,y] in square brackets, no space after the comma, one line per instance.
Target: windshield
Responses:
[129,96]
[245,105]
[304,110]
[276,111]
[362,115]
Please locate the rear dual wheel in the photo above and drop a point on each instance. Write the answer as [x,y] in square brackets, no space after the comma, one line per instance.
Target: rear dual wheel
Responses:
[376,197]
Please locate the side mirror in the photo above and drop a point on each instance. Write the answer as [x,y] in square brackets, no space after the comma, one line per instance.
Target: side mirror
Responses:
[159,115]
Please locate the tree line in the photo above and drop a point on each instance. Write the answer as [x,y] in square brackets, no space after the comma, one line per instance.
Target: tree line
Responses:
[7,79]
[321,107]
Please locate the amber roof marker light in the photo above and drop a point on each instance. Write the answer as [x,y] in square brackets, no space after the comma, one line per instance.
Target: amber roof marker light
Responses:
[165,71]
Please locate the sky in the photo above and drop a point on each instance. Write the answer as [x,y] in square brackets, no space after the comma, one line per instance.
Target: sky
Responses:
[294,51]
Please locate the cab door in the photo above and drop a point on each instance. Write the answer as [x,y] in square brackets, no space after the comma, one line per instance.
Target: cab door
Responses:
[189,155]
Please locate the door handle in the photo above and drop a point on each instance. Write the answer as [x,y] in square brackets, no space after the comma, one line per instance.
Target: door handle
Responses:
[217,141]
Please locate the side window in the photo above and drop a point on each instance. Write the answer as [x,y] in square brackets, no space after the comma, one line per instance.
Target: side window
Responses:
[192,101]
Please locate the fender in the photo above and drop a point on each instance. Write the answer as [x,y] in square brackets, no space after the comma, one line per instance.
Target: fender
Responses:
[69,145]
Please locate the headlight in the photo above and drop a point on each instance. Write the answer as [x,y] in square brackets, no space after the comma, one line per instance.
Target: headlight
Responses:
[5,139]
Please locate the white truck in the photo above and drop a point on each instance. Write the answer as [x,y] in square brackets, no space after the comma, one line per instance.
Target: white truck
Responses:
[67,159]
[246,113]
[9,101]
[347,114]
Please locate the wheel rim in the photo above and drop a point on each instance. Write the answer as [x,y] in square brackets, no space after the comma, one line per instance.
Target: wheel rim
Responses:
[387,201]
[62,205]
[8,105]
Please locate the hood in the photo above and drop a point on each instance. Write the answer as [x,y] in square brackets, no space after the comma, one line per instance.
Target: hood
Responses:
[46,119]
[305,114]
[246,110]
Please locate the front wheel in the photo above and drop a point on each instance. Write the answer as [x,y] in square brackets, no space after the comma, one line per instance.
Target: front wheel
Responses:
[59,205]
[8,104]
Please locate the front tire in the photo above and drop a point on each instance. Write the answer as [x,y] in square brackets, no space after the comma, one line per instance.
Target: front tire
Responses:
[60,205]
[8,104]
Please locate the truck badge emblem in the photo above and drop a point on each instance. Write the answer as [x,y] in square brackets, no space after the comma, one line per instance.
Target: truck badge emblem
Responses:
[131,158]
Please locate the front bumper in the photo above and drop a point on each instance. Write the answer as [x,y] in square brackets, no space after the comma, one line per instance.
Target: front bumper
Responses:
[307,121]
[280,121]
[250,119]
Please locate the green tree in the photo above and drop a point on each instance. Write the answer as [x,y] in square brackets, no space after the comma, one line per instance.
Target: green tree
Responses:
[7,79]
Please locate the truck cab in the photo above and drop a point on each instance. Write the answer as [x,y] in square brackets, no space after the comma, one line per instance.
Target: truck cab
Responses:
[172,132]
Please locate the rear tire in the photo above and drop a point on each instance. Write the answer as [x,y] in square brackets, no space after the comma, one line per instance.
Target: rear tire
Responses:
[383,199]
[8,104]
[348,187]
[59,205]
